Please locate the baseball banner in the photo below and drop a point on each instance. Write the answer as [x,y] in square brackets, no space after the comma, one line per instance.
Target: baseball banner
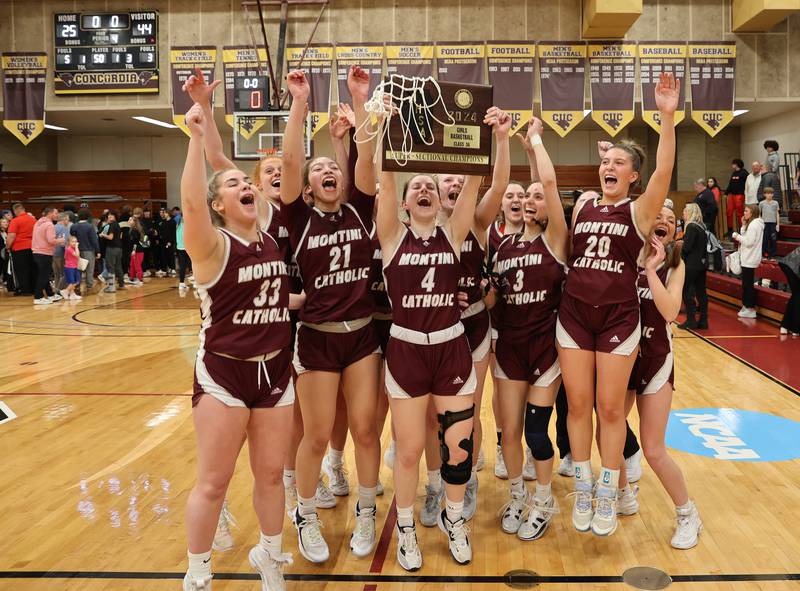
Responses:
[368,56]
[317,64]
[241,70]
[654,58]
[511,72]
[562,73]
[409,59]
[461,61]
[712,71]
[612,77]
[24,78]
[183,61]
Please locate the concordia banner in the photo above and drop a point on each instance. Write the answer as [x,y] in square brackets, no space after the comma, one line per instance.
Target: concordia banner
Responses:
[461,61]
[612,72]
[511,72]
[409,59]
[241,62]
[317,64]
[562,71]
[183,61]
[712,70]
[368,56]
[654,58]
[24,78]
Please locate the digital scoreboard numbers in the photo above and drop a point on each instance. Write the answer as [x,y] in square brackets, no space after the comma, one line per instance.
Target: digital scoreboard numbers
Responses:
[106,53]
[250,91]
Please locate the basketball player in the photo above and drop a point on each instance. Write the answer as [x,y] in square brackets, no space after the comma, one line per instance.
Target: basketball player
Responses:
[530,267]
[242,385]
[598,327]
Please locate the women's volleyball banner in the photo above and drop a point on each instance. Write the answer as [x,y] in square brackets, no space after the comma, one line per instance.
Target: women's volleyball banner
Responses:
[369,57]
[712,70]
[654,58]
[183,61]
[612,74]
[317,64]
[409,59]
[24,79]
[562,73]
[511,72]
[461,62]
[240,62]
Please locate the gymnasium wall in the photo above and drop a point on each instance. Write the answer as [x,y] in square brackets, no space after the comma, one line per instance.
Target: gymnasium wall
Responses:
[783,128]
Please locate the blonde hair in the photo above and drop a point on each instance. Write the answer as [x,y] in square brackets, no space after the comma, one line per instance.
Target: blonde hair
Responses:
[212,195]
[695,215]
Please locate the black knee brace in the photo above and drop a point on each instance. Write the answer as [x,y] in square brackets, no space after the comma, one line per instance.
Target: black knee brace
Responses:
[460,473]
[537,418]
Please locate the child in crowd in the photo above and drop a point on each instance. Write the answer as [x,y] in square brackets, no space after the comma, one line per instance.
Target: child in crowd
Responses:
[136,237]
[72,277]
[770,213]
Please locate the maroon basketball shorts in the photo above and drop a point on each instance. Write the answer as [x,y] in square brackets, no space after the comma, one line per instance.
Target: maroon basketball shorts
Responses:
[320,350]
[609,328]
[528,358]
[382,326]
[477,327]
[442,368]
[248,384]
[650,374]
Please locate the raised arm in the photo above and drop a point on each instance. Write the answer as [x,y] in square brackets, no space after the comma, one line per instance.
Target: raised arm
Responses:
[667,298]
[293,152]
[463,214]
[339,128]
[201,93]
[388,224]
[526,145]
[486,211]
[358,84]
[556,231]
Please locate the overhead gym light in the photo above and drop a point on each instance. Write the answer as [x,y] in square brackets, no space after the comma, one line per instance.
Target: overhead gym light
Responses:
[151,121]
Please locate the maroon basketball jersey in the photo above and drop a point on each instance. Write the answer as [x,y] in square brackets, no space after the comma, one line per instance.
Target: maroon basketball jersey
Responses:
[376,282]
[422,281]
[276,228]
[605,247]
[533,278]
[245,311]
[496,235]
[656,335]
[472,257]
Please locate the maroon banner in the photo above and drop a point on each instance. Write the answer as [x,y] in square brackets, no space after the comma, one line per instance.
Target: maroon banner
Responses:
[368,56]
[462,61]
[712,70]
[409,59]
[655,58]
[24,78]
[183,61]
[511,73]
[562,71]
[317,63]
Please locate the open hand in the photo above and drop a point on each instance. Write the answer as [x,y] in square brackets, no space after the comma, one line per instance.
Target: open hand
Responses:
[656,256]
[341,123]
[668,91]
[196,87]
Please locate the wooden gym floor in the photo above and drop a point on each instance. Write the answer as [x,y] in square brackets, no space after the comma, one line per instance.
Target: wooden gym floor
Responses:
[99,461]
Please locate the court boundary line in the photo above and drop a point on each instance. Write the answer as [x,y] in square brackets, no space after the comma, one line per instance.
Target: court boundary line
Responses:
[186,394]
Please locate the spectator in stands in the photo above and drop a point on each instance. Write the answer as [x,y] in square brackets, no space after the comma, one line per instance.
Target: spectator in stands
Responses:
[166,236]
[752,186]
[708,204]
[72,213]
[20,236]
[62,233]
[6,279]
[790,265]
[112,234]
[694,255]
[770,213]
[750,245]
[137,256]
[712,184]
[43,244]
[7,215]
[148,242]
[88,244]
[735,194]
[773,180]
[773,160]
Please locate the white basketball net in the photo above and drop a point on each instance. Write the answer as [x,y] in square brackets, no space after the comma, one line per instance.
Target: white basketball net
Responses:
[395,93]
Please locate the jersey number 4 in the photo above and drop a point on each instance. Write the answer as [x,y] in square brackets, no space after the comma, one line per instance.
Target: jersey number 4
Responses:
[427,282]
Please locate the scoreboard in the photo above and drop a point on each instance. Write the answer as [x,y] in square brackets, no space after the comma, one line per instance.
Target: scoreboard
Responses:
[251,92]
[106,52]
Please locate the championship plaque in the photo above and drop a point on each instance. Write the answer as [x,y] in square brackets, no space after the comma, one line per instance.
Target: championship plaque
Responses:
[438,128]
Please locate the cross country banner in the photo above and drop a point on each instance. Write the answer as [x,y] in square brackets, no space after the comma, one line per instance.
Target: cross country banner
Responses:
[712,70]
[511,73]
[461,61]
[562,73]
[317,63]
[182,62]
[368,56]
[24,78]
[654,58]
[409,59]
[612,82]
[239,62]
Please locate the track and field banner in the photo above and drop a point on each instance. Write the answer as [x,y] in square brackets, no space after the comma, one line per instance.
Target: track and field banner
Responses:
[712,71]
[182,62]
[562,74]
[369,56]
[318,66]
[462,61]
[654,58]
[24,79]
[511,72]
[240,62]
[612,82]
[409,59]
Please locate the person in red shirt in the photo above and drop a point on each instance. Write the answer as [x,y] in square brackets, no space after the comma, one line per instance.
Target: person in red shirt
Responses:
[20,236]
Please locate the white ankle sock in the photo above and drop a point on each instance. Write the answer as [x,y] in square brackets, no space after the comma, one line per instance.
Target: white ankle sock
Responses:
[685,509]
[517,485]
[608,478]
[306,506]
[435,479]
[336,457]
[199,565]
[583,470]
[272,544]
[405,516]
[543,492]
[288,478]
[366,496]
[453,509]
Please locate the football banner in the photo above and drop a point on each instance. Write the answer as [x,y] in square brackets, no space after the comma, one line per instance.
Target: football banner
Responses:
[712,71]
[654,58]
[317,64]
[182,62]
[612,78]
[511,72]
[240,62]
[562,74]
[409,59]
[24,78]
[462,61]
[368,56]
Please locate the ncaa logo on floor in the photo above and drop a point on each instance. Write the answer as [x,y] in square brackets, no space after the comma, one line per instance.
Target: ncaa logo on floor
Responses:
[734,434]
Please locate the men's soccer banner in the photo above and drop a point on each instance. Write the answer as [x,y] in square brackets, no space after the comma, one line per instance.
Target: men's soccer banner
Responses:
[368,56]
[24,78]
[654,59]
[712,70]
[317,64]
[183,61]
[511,72]
[461,61]
[612,72]
[240,62]
[562,72]
[409,59]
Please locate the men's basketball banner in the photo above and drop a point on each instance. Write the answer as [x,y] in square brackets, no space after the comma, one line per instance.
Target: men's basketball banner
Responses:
[183,61]
[409,59]
[562,72]
[654,58]
[511,72]
[317,64]
[241,71]
[368,56]
[712,70]
[612,73]
[461,61]
[24,78]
